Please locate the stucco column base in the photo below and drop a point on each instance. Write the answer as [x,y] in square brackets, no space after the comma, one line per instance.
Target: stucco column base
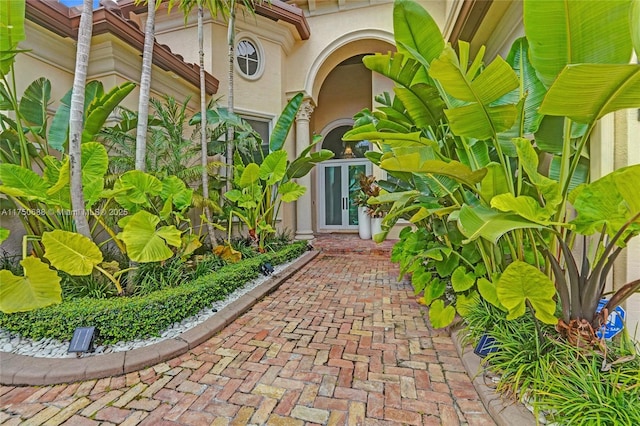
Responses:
[304,235]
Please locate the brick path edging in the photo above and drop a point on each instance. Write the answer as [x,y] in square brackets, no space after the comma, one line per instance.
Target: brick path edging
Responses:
[504,412]
[27,370]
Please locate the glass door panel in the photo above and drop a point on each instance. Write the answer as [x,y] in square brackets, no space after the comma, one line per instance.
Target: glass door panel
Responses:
[338,181]
[333,195]
[354,170]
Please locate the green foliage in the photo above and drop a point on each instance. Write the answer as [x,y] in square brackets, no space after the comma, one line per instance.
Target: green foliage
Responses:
[39,287]
[522,284]
[260,189]
[477,165]
[11,33]
[128,318]
[72,253]
[445,276]
[94,286]
[145,241]
[154,276]
[572,388]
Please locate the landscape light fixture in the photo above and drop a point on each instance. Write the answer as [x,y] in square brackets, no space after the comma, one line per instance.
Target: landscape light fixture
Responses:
[266,269]
[485,346]
[82,340]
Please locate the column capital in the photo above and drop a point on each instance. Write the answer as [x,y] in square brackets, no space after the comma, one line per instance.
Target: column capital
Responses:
[304,113]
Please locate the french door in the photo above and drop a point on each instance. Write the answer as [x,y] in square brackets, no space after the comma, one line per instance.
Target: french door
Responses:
[337,183]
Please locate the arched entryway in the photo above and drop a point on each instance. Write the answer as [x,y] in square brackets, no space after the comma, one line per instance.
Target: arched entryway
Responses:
[347,89]
[338,178]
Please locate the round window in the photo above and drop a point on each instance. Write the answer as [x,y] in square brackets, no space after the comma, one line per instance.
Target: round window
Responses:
[249,58]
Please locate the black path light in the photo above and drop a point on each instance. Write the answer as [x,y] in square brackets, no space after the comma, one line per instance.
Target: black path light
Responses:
[82,340]
[266,269]
[485,346]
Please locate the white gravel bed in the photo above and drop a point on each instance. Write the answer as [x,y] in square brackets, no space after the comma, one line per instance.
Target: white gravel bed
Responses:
[50,348]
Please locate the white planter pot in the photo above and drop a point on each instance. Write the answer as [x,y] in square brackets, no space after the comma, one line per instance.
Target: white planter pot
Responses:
[376,225]
[364,223]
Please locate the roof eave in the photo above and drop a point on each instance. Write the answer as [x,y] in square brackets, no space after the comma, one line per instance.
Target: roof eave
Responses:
[57,18]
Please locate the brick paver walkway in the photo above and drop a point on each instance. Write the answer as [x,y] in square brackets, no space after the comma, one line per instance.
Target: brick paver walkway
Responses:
[340,343]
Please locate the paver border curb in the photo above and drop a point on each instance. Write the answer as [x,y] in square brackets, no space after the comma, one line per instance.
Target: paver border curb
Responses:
[27,370]
[504,413]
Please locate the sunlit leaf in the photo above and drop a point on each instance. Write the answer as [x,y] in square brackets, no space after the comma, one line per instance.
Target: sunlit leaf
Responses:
[144,242]
[291,191]
[39,287]
[440,315]
[461,280]
[520,283]
[562,32]
[71,252]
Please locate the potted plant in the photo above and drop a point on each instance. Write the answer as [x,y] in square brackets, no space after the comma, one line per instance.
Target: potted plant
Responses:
[374,213]
[364,220]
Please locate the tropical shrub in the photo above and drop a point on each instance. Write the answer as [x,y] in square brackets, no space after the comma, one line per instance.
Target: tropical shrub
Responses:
[129,318]
[260,189]
[457,134]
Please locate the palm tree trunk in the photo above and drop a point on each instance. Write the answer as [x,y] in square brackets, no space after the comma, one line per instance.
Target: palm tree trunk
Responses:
[76,117]
[145,87]
[230,130]
[203,129]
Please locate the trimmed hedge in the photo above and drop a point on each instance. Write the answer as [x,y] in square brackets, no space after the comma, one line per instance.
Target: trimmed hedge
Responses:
[130,318]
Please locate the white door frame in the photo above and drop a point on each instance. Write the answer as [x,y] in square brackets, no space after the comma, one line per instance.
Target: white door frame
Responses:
[321,199]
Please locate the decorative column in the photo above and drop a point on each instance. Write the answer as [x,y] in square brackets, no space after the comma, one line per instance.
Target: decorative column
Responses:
[304,230]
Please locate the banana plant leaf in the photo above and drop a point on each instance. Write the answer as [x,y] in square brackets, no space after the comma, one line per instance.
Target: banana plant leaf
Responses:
[371,133]
[423,104]
[550,135]
[480,221]
[33,105]
[284,123]
[417,34]
[301,166]
[11,32]
[496,80]
[562,32]
[531,90]
[39,287]
[102,107]
[71,252]
[580,176]
[587,92]
[396,66]
[97,108]
[453,169]
[477,119]
[635,26]
[494,183]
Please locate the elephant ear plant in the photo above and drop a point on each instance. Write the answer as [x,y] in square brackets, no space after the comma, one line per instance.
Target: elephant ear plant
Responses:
[260,189]
[609,206]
